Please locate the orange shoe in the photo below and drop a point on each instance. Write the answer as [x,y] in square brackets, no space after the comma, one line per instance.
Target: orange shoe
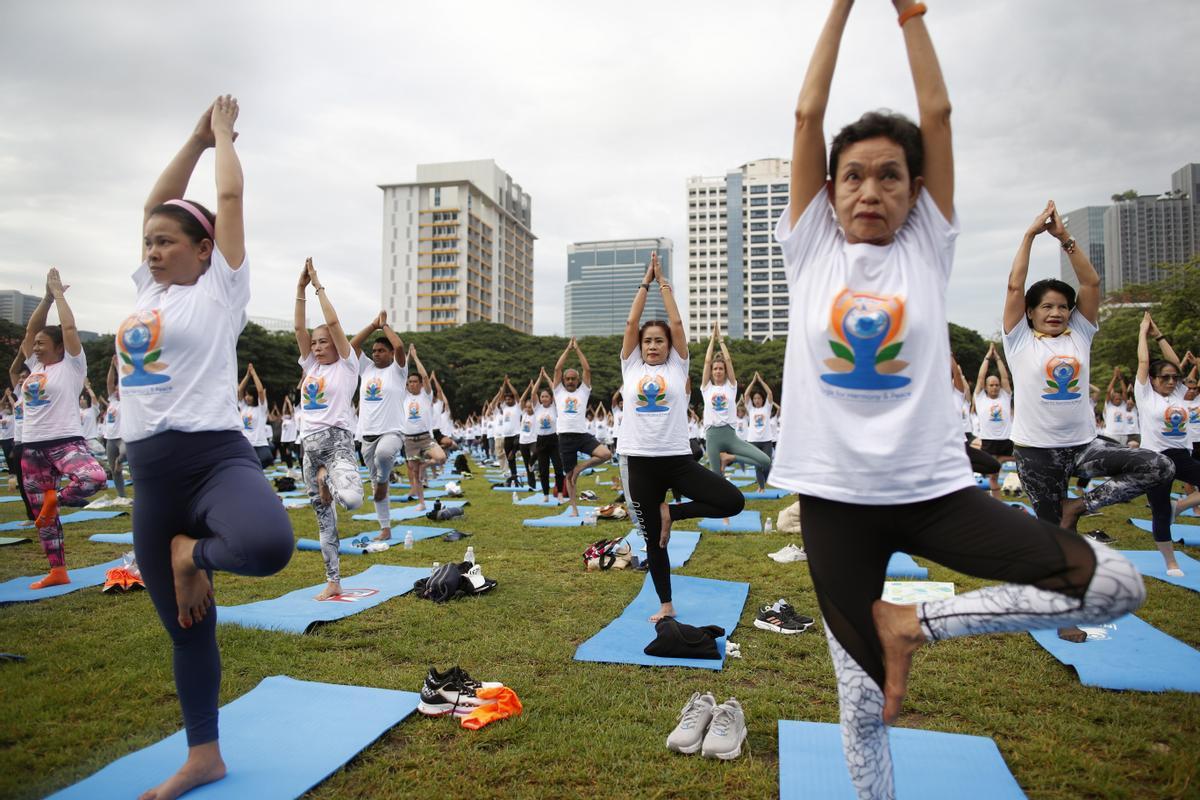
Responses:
[49,509]
[57,577]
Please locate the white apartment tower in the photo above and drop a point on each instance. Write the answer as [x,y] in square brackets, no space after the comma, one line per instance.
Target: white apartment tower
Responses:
[735,269]
[457,248]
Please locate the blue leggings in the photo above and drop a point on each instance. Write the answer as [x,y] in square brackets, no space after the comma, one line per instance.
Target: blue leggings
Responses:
[210,486]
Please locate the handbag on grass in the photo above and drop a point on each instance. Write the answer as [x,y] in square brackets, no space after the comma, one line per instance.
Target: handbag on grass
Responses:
[678,640]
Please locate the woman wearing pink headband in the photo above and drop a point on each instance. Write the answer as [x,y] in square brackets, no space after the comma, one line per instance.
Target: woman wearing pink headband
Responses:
[202,501]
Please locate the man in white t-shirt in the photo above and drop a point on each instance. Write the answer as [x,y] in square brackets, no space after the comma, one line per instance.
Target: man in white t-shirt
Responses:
[416,423]
[383,378]
[993,403]
[571,396]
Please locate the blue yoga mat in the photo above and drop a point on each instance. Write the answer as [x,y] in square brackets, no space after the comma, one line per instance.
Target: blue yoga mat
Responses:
[745,522]
[540,500]
[17,590]
[1180,531]
[347,549]
[299,612]
[7,540]
[767,494]
[563,520]
[679,550]
[275,741]
[293,493]
[901,565]
[698,601]
[112,538]
[1127,654]
[926,764]
[1150,563]
[66,519]
[430,494]
[10,499]
[412,512]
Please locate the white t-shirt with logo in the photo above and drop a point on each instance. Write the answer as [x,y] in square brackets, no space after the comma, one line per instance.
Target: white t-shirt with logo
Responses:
[572,408]
[1050,376]
[418,413]
[657,422]
[964,409]
[381,395]
[110,421]
[1193,408]
[327,393]
[254,419]
[618,414]
[89,422]
[287,429]
[720,400]
[759,418]
[19,413]
[1133,424]
[866,362]
[602,430]
[1163,420]
[51,398]
[995,416]
[7,424]
[528,434]
[1114,419]
[510,420]
[545,419]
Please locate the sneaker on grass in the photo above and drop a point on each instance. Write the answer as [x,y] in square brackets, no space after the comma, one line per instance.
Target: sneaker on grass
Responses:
[782,618]
[726,731]
[788,554]
[450,693]
[1099,536]
[688,735]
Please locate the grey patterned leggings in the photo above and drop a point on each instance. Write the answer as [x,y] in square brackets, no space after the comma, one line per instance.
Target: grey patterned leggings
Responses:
[332,448]
[1046,471]
[1052,578]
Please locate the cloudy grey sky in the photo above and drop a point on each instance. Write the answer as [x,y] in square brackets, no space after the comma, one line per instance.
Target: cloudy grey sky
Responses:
[601,112]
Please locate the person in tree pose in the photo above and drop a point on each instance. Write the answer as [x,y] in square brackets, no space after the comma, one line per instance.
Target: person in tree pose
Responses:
[571,394]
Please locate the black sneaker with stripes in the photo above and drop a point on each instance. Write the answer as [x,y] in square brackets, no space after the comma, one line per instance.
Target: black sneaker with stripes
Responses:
[782,618]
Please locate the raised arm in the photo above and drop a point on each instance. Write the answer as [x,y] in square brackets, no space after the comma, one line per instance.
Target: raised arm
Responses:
[933,106]
[525,394]
[706,371]
[1014,298]
[393,339]
[981,378]
[110,382]
[533,386]
[678,334]
[288,408]
[37,321]
[558,365]
[1112,384]
[245,381]
[1087,299]
[359,338]
[957,379]
[1143,350]
[1164,347]
[173,182]
[258,386]
[808,139]
[730,375]
[1005,383]
[584,367]
[299,318]
[66,319]
[230,226]
[331,318]
[416,363]
[629,341]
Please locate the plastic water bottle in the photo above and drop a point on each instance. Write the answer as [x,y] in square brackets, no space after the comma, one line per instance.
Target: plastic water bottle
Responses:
[768,526]
[436,564]
[408,540]
[470,556]
[514,498]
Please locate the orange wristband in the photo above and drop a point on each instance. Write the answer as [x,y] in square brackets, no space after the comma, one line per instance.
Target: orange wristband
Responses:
[915,10]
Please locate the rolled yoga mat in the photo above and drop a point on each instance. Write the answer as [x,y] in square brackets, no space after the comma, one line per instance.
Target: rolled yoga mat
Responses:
[300,612]
[698,601]
[1127,653]
[17,590]
[277,741]
[929,765]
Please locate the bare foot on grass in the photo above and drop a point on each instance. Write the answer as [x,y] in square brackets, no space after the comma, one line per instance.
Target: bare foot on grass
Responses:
[203,765]
[901,636]
[332,589]
[193,591]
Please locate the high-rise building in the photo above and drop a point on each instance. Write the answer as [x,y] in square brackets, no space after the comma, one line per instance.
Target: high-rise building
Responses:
[1087,226]
[602,278]
[17,307]
[1145,232]
[457,248]
[734,268]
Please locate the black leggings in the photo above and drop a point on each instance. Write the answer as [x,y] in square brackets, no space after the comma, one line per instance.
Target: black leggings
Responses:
[646,480]
[981,462]
[1187,469]
[210,486]
[762,474]
[511,445]
[547,451]
[284,452]
[530,462]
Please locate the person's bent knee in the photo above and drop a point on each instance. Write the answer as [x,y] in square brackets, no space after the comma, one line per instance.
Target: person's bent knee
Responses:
[352,498]
[273,552]
[602,453]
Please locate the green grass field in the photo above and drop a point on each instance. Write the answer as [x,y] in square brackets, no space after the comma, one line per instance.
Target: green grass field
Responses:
[97,683]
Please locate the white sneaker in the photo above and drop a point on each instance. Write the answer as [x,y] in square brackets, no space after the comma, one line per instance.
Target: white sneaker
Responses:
[726,731]
[688,735]
[788,554]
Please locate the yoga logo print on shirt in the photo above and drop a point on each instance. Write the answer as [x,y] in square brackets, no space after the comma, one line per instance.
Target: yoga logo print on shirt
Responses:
[571,406]
[1194,416]
[720,403]
[866,328]
[546,425]
[138,348]
[995,414]
[414,410]
[313,394]
[248,421]
[35,390]
[651,392]
[373,391]
[1062,378]
[1175,422]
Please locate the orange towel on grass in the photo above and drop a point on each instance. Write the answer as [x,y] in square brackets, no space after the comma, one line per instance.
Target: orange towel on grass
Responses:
[507,705]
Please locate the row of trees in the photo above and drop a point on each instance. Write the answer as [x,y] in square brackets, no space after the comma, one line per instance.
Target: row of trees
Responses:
[471,360]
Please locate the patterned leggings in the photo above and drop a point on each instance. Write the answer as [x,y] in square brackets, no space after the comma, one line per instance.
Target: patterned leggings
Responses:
[1046,471]
[41,468]
[332,448]
[1053,578]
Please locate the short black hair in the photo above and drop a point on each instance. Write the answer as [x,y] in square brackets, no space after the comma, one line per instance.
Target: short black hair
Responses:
[1035,293]
[383,340]
[1157,366]
[888,124]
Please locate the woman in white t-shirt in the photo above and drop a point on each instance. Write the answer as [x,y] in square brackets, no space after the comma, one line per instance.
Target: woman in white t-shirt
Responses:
[545,424]
[871,440]
[253,409]
[203,503]
[1192,401]
[53,446]
[993,398]
[89,420]
[1114,409]
[760,420]
[527,438]
[1161,397]
[110,428]
[718,386]
[330,464]
[1047,340]
[656,456]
